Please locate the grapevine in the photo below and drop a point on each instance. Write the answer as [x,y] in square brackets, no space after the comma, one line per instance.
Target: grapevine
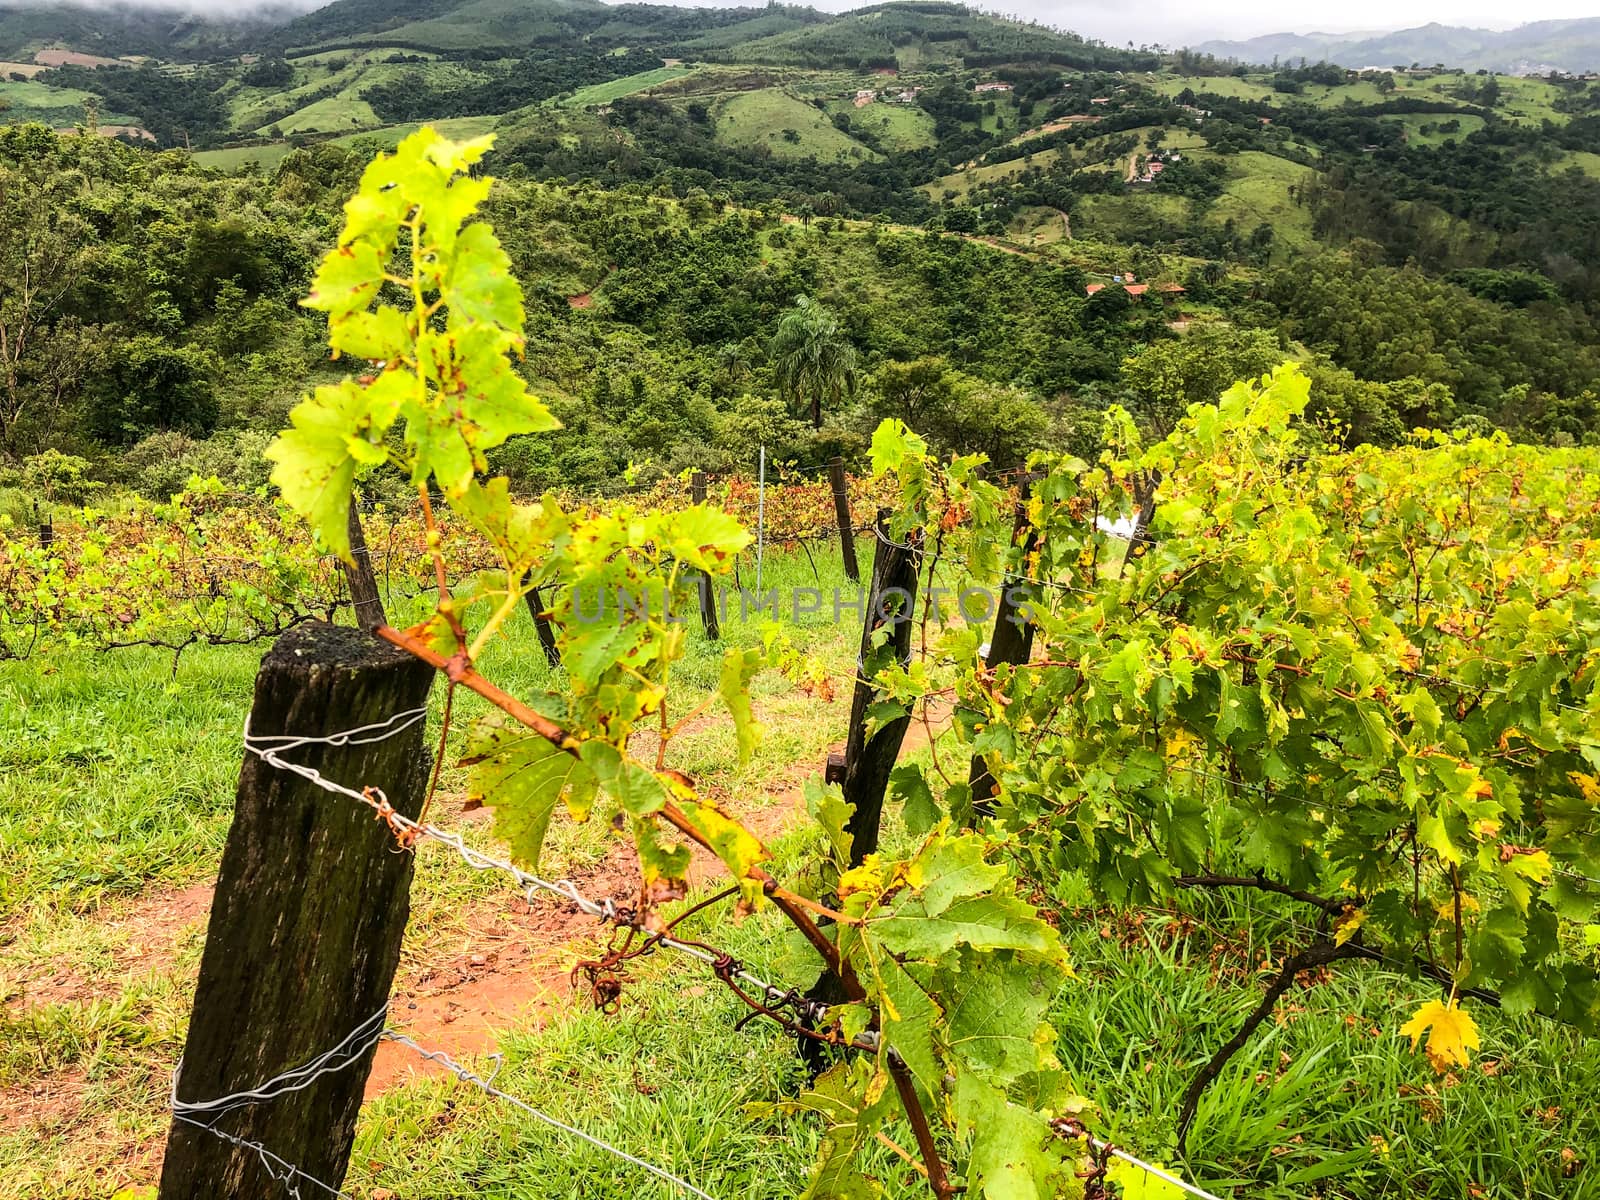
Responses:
[940,958]
[1364,681]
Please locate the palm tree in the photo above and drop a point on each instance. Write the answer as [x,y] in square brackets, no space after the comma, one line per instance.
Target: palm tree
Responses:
[812,358]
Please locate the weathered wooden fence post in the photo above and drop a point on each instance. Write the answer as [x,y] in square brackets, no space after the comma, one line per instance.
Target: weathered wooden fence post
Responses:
[306,921]
[891,601]
[1012,640]
[708,599]
[541,625]
[358,573]
[47,527]
[841,512]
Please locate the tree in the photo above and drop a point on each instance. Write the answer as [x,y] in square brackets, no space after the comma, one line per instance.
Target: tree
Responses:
[812,359]
[39,265]
[1168,377]
[151,386]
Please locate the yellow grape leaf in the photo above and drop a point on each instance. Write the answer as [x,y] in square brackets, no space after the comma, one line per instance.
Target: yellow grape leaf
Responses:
[1589,785]
[1454,1033]
[1348,924]
[1135,1183]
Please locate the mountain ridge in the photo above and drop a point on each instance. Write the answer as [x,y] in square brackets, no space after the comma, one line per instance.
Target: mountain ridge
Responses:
[1570,45]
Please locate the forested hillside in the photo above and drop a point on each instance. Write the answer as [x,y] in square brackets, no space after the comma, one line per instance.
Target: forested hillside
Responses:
[1031,225]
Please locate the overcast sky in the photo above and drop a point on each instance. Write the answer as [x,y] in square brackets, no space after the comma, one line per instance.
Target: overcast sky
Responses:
[1170,22]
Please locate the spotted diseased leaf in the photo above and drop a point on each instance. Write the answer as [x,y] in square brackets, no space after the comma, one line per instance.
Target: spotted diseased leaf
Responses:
[738,848]
[523,535]
[663,863]
[524,777]
[347,281]
[1453,1036]
[996,1008]
[705,537]
[482,286]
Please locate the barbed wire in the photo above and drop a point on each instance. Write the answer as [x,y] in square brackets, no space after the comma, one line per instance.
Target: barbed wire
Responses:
[486,1085]
[347,1052]
[408,831]
[605,910]
[354,1044]
[279,1170]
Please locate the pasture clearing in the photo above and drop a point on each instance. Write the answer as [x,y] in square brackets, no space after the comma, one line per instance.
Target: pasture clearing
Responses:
[772,121]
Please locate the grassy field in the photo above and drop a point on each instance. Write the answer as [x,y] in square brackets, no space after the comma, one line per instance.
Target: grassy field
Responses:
[898,126]
[120,773]
[615,89]
[1257,192]
[962,182]
[1422,129]
[1585,161]
[22,101]
[786,127]
[272,153]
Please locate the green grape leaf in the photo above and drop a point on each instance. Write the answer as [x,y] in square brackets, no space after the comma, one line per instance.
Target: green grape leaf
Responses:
[335,430]
[909,1018]
[920,810]
[629,784]
[996,1007]
[949,868]
[524,776]
[379,336]
[835,1097]
[1015,1155]
[993,922]
[826,804]
[739,667]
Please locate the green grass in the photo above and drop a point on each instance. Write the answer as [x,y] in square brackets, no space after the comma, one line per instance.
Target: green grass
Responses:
[766,119]
[615,89]
[962,182]
[266,156]
[897,126]
[1257,192]
[272,153]
[1223,85]
[22,101]
[1119,218]
[1422,129]
[1584,160]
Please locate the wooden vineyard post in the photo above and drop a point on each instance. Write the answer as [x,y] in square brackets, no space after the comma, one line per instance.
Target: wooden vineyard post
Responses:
[541,625]
[1011,642]
[891,601]
[306,921]
[708,599]
[358,573]
[841,512]
[47,527]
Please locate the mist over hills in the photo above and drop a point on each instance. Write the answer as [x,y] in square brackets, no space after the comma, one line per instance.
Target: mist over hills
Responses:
[1533,49]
